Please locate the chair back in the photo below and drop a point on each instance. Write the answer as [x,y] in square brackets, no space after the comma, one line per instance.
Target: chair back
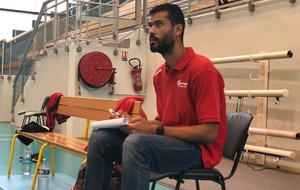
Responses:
[45,102]
[238,124]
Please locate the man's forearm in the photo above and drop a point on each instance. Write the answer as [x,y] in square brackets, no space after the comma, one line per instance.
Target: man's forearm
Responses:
[154,122]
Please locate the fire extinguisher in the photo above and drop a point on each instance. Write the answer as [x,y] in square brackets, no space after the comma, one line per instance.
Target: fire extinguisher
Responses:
[136,74]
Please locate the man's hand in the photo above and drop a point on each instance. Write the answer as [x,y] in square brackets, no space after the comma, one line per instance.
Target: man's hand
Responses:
[139,125]
[121,114]
[136,125]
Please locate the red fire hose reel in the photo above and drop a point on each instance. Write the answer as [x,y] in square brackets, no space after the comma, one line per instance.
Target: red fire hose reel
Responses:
[95,69]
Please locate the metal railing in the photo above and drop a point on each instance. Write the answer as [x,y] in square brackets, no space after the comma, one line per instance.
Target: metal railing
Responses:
[60,23]
[2,57]
[44,31]
[58,19]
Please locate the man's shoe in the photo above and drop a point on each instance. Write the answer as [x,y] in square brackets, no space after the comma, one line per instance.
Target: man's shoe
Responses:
[34,157]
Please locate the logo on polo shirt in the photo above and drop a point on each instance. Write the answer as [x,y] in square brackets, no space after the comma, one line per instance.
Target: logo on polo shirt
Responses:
[182,84]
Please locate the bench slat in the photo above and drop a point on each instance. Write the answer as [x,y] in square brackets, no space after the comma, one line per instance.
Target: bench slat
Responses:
[71,144]
[91,103]
[91,108]
[84,112]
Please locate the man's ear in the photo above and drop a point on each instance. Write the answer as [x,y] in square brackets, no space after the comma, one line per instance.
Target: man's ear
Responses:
[178,29]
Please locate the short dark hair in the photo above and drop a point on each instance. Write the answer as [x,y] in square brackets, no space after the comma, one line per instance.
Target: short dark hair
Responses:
[175,14]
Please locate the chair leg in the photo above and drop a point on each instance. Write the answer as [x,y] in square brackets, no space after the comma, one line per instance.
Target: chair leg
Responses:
[153,185]
[197,184]
[223,185]
[24,122]
[38,120]
[43,120]
[179,181]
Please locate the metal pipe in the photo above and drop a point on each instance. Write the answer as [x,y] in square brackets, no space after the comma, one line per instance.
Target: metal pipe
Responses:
[67,20]
[20,35]
[274,133]
[97,3]
[55,23]
[270,151]
[2,55]
[21,11]
[10,60]
[201,12]
[257,93]
[254,57]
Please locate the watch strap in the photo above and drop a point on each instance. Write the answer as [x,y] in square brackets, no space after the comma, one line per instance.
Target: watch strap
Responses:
[160,130]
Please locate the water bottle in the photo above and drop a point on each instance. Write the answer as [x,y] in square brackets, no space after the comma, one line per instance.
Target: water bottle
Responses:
[43,175]
[26,165]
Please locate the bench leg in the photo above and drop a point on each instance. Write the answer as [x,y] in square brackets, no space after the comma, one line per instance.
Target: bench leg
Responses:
[11,156]
[38,165]
[52,160]
[87,125]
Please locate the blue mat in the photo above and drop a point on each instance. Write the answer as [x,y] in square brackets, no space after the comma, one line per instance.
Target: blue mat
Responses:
[59,181]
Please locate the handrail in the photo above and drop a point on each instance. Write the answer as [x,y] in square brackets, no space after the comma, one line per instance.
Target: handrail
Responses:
[22,73]
[20,35]
[2,56]
[30,42]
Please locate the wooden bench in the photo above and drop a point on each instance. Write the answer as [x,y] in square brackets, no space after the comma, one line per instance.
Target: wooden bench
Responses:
[86,108]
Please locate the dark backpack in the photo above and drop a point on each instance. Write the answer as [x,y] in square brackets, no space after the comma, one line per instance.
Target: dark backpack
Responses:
[115,182]
[32,127]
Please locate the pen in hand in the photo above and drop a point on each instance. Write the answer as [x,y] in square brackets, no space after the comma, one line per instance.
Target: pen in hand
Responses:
[112,111]
[116,115]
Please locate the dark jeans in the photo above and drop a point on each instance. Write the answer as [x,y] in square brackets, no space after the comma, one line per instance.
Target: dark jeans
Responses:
[139,154]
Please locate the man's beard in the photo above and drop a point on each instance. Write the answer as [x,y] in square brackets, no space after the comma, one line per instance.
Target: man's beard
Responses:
[163,46]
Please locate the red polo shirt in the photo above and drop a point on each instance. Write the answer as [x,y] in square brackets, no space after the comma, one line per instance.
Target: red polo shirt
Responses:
[192,93]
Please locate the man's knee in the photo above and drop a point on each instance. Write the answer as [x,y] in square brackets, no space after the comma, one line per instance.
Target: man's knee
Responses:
[94,136]
[136,142]
[100,138]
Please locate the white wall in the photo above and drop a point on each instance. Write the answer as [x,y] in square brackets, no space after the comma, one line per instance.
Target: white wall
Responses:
[274,26]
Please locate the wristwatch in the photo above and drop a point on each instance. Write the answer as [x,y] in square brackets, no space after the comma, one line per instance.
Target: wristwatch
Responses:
[160,130]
